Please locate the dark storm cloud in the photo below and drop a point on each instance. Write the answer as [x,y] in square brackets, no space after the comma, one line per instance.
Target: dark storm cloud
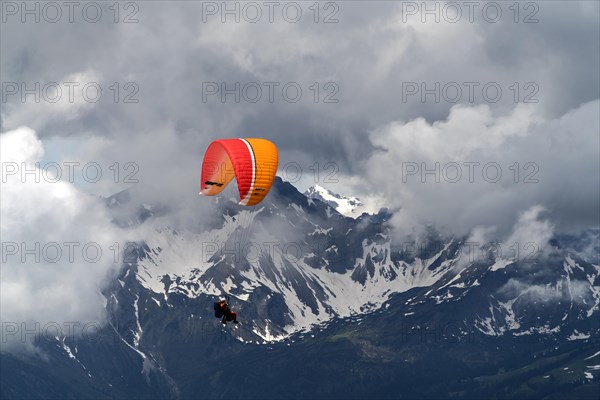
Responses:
[370,54]
[297,133]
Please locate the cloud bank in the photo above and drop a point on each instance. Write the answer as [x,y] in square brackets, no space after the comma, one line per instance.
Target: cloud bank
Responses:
[476,168]
[58,247]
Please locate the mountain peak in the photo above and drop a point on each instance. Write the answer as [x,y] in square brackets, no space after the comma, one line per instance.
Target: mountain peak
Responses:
[343,204]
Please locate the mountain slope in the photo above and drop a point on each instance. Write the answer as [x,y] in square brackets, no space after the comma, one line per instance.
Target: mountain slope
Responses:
[330,307]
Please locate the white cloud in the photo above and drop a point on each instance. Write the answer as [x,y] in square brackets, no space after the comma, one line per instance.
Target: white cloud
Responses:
[530,235]
[57,246]
[58,100]
[577,291]
[550,163]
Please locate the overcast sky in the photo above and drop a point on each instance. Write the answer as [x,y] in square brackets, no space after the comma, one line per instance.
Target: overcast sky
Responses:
[386,93]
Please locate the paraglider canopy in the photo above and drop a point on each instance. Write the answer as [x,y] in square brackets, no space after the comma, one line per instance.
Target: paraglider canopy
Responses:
[252,161]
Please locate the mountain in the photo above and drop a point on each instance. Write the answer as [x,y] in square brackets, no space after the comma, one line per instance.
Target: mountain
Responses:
[330,307]
[349,206]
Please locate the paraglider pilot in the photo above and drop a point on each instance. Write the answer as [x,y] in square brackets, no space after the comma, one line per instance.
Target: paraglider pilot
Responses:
[224,310]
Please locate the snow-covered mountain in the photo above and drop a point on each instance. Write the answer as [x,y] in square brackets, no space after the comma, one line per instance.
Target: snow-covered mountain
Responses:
[295,263]
[349,206]
[334,294]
